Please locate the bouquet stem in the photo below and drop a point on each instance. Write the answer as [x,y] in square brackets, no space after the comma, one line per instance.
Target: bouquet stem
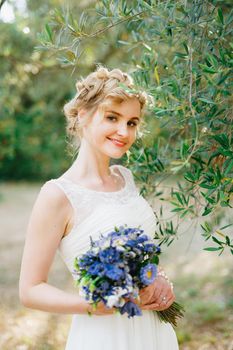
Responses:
[172,314]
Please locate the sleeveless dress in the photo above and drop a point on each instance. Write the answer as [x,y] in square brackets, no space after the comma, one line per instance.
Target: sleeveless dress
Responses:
[98,212]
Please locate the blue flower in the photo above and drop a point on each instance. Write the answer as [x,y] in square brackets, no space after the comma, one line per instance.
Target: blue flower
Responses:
[96,269]
[149,247]
[142,238]
[103,287]
[113,272]
[148,274]
[113,234]
[87,259]
[131,243]
[158,249]
[133,267]
[109,255]
[131,309]
[95,296]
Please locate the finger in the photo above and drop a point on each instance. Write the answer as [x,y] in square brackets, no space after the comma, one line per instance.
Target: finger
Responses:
[166,292]
[163,300]
[146,298]
[167,298]
[166,305]
[151,307]
[169,302]
[165,289]
[157,293]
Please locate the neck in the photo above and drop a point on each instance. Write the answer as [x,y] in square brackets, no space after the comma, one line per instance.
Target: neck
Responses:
[91,164]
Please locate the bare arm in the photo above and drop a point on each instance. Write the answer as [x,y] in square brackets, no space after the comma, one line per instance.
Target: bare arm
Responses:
[46,227]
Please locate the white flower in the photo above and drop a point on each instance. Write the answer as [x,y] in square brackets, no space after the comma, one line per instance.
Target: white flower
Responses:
[121,302]
[118,242]
[95,250]
[82,293]
[112,300]
[116,299]
[106,244]
[121,291]
[120,248]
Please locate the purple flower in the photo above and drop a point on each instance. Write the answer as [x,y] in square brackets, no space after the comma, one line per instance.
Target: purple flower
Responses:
[131,309]
[148,274]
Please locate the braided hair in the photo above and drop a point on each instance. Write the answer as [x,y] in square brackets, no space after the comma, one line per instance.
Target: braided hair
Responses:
[92,93]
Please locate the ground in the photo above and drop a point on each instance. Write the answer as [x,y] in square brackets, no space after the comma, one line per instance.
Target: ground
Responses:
[203,283]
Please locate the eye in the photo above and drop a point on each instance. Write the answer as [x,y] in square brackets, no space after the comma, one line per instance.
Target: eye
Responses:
[111,118]
[131,123]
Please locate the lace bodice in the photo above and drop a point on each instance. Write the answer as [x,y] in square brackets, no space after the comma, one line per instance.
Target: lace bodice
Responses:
[84,200]
[97,212]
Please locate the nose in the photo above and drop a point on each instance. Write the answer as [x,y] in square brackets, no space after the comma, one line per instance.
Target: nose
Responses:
[122,129]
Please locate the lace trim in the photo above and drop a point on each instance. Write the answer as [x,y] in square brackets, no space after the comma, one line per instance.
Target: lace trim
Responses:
[83,188]
[85,200]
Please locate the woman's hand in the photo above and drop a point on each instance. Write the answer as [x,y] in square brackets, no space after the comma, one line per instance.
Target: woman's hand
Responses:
[101,309]
[157,296]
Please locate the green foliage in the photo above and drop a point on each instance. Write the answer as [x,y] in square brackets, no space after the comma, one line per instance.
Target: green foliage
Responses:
[31,122]
[32,95]
[179,52]
[182,56]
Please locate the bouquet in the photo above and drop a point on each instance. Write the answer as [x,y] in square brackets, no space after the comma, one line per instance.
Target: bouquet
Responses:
[116,267]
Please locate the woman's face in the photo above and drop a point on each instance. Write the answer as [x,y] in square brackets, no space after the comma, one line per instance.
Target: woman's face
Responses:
[113,131]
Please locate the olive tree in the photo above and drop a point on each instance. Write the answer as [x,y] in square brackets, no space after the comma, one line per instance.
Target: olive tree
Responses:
[181,55]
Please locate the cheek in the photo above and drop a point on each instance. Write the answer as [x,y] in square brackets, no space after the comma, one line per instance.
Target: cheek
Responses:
[100,133]
[106,129]
[133,135]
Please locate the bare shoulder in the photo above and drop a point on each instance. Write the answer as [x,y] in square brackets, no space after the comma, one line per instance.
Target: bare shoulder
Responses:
[51,192]
[53,199]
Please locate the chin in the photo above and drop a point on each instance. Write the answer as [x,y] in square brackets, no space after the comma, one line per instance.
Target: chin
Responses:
[116,155]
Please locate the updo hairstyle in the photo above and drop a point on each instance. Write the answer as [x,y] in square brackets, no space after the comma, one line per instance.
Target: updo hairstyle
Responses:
[96,91]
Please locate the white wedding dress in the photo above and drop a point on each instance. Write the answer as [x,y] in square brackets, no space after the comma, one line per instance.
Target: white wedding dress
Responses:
[99,212]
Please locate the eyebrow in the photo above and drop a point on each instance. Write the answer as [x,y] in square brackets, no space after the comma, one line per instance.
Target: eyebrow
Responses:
[120,115]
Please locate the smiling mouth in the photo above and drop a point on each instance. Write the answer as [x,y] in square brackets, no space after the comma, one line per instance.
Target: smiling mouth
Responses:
[117,142]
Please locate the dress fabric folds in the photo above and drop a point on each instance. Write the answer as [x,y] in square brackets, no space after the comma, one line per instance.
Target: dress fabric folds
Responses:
[98,213]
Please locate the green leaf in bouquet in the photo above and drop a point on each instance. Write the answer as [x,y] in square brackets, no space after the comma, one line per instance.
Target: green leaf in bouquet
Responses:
[85,281]
[155,260]
[92,287]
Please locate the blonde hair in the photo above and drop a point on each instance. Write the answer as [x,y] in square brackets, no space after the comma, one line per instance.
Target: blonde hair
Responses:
[92,93]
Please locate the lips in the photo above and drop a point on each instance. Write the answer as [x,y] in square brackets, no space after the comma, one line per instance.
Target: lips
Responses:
[117,142]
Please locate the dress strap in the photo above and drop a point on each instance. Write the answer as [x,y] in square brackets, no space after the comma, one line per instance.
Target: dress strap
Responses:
[128,176]
[70,194]
[84,201]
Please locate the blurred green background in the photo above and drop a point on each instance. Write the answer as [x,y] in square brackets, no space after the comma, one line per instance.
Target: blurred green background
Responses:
[33,89]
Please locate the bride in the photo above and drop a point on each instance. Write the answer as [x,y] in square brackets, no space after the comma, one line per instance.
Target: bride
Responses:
[90,198]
